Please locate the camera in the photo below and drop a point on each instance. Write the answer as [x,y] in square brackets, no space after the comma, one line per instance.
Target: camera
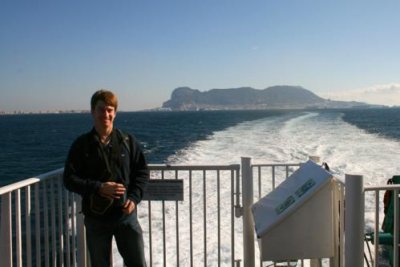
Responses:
[121,201]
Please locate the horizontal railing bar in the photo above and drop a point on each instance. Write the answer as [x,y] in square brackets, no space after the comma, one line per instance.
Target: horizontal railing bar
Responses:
[382,187]
[276,164]
[12,187]
[29,181]
[161,167]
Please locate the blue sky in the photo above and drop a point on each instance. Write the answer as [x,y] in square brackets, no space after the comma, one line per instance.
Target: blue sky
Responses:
[55,54]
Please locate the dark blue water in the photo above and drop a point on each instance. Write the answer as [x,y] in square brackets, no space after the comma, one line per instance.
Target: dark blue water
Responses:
[35,144]
[383,122]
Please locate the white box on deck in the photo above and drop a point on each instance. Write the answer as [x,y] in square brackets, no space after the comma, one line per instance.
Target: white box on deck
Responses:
[297,219]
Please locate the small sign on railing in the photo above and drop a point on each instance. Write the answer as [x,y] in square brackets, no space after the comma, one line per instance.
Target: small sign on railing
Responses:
[164,190]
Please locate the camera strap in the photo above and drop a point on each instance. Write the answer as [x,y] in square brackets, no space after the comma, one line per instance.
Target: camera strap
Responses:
[111,154]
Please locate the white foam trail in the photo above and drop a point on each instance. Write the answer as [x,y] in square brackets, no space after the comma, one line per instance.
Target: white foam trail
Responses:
[281,139]
[293,138]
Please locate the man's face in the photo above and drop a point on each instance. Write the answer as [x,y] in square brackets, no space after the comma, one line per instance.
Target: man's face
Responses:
[103,115]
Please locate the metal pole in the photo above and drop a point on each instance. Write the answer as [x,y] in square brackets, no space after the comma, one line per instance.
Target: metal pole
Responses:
[396,228]
[80,231]
[6,231]
[354,220]
[248,225]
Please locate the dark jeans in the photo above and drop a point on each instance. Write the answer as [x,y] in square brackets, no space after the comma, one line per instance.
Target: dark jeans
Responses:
[128,236]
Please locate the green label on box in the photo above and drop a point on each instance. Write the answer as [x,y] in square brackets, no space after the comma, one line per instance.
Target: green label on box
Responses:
[305,187]
[286,204]
[299,193]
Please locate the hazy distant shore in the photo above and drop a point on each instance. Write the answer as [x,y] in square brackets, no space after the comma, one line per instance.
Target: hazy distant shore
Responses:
[23,112]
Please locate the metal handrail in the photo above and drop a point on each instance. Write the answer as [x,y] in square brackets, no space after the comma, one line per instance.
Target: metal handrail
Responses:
[377,189]
[30,181]
[58,221]
[44,189]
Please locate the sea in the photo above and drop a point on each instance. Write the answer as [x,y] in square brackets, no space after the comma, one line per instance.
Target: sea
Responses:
[351,141]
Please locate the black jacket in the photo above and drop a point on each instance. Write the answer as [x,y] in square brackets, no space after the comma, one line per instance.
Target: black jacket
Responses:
[86,168]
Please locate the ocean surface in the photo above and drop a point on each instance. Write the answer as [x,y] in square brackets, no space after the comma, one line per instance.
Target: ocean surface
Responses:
[351,141]
[365,142]
[38,143]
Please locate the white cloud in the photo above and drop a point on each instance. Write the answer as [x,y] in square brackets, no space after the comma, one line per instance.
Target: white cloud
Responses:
[384,94]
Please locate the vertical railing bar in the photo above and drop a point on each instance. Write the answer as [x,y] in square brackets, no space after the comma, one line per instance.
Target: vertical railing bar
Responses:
[18,229]
[28,214]
[233,215]
[53,224]
[396,229]
[60,223]
[205,217]
[150,235]
[46,225]
[81,237]
[247,219]
[237,191]
[219,217]
[259,197]
[191,218]
[73,229]
[177,224]
[376,229]
[354,220]
[37,225]
[273,177]
[164,229]
[67,227]
[287,171]
[259,182]
[6,230]
[333,261]
[342,212]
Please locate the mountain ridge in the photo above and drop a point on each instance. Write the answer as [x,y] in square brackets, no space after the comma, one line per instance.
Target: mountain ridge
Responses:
[274,97]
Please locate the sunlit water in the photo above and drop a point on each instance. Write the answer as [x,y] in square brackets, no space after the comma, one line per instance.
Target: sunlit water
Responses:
[293,138]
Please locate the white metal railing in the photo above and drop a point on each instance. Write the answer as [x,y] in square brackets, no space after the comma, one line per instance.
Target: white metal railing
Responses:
[266,177]
[373,193]
[357,245]
[190,232]
[28,213]
[276,174]
[41,223]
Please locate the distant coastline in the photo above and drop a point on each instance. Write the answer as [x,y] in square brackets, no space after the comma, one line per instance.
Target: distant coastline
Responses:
[247,98]
[14,113]
[23,112]
[278,97]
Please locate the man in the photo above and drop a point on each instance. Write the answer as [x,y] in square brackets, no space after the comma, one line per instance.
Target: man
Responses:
[108,169]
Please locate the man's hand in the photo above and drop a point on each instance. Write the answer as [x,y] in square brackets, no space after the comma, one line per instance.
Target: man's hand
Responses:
[112,190]
[129,206]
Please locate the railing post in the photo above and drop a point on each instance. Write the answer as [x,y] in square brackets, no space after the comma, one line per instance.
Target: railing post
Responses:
[248,225]
[396,228]
[354,220]
[81,235]
[5,231]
